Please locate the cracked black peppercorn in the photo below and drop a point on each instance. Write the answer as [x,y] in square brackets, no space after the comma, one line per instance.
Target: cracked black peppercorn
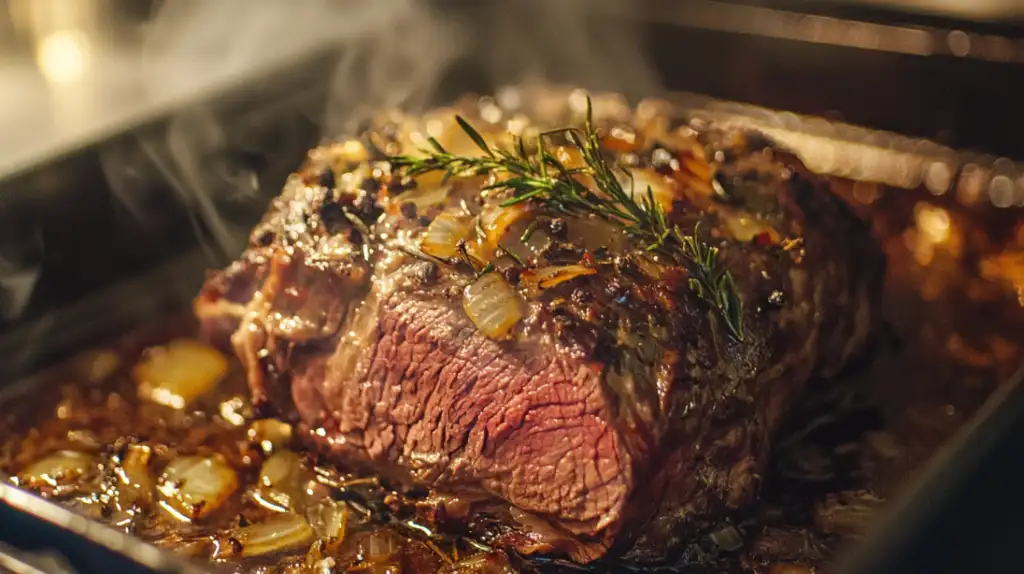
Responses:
[266,238]
[333,217]
[511,275]
[558,228]
[327,178]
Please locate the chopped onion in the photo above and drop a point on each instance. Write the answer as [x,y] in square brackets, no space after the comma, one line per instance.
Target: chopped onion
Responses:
[282,481]
[424,196]
[495,222]
[234,410]
[623,139]
[62,467]
[192,487]
[698,166]
[279,532]
[652,117]
[271,434]
[135,483]
[492,305]
[569,156]
[329,519]
[664,189]
[179,373]
[695,172]
[572,158]
[444,234]
[547,277]
[453,137]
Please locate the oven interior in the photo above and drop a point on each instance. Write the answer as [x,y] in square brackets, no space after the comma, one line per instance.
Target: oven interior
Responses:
[117,234]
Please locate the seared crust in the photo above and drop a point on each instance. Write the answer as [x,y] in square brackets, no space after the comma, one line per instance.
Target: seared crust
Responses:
[620,416]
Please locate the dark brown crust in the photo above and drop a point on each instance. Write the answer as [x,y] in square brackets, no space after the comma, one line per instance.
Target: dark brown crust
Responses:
[637,465]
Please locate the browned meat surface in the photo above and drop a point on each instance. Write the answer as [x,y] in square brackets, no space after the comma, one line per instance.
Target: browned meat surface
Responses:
[552,382]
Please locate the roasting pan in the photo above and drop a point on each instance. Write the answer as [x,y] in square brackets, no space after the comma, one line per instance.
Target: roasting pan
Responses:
[89,249]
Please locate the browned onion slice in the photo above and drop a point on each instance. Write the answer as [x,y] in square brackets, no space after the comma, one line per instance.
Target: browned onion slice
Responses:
[192,487]
[277,533]
[282,481]
[135,483]
[64,467]
[548,277]
[179,373]
[444,234]
[495,221]
[492,305]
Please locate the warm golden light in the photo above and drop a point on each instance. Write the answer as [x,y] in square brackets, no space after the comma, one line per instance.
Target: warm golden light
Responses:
[63,56]
[933,232]
[932,222]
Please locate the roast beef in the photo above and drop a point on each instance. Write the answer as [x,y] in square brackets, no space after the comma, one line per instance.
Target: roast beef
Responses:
[591,400]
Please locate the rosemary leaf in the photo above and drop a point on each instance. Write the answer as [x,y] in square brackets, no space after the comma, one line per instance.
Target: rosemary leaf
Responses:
[515,256]
[436,145]
[542,179]
[485,270]
[528,232]
[474,135]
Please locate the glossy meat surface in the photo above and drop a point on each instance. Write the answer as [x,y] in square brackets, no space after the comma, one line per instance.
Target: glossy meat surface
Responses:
[616,414]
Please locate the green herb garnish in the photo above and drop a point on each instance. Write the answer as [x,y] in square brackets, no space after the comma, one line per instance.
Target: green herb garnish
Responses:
[540,177]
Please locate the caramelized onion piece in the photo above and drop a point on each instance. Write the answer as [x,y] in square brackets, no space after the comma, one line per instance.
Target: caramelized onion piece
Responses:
[282,480]
[64,467]
[179,373]
[664,189]
[495,222]
[330,520]
[623,139]
[548,277]
[271,434]
[572,158]
[279,532]
[492,305]
[135,483]
[569,156]
[444,234]
[192,487]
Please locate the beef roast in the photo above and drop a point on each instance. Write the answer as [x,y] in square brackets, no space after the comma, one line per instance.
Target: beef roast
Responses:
[541,373]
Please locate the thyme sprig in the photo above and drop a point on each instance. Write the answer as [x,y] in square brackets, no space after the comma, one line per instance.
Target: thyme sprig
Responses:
[541,178]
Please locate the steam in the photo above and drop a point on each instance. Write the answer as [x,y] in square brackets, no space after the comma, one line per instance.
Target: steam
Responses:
[588,43]
[390,53]
[391,50]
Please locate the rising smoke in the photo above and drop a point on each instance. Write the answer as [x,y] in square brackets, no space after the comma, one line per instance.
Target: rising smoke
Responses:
[391,53]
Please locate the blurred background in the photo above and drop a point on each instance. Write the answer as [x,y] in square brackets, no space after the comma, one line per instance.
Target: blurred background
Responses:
[74,70]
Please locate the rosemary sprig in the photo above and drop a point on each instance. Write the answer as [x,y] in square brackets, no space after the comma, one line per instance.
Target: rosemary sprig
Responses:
[540,177]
